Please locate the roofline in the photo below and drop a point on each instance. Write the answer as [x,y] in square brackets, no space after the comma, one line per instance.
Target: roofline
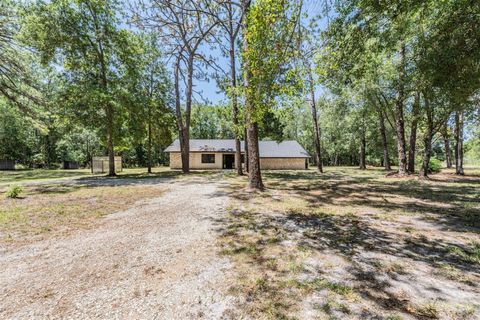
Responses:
[242,152]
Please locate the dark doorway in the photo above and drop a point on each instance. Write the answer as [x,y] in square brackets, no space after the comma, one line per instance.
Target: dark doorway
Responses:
[228,161]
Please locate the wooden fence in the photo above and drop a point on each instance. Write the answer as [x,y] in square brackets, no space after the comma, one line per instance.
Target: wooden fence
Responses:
[7,164]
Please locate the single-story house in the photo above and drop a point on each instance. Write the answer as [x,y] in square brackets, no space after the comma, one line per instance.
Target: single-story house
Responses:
[220,154]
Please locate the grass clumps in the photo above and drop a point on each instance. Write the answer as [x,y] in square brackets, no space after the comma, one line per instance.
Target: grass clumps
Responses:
[14,192]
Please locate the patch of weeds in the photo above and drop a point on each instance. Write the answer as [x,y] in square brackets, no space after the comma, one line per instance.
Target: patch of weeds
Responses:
[339,288]
[466,313]
[389,267]
[393,317]
[428,310]
[330,306]
[11,216]
[470,254]
[319,284]
[452,273]
[14,192]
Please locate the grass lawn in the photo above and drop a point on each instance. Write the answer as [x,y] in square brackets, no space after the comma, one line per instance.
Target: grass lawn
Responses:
[58,202]
[352,244]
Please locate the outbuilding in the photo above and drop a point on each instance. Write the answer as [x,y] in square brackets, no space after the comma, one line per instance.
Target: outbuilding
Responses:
[220,154]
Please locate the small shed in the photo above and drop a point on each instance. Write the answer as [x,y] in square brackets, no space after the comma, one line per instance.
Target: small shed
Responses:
[70,165]
[100,164]
[7,164]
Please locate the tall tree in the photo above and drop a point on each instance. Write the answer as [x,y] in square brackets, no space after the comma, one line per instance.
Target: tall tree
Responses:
[229,16]
[85,37]
[268,30]
[183,26]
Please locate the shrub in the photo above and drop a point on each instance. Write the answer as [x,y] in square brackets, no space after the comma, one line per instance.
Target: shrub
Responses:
[435,165]
[14,191]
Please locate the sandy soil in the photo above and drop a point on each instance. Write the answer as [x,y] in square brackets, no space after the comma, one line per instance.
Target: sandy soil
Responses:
[156,260]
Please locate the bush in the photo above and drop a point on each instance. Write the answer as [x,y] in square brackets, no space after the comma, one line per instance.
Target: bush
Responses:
[434,165]
[14,191]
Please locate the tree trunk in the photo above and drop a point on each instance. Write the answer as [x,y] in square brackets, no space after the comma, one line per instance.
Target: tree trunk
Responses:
[383,134]
[399,119]
[316,129]
[363,144]
[446,142]
[111,155]
[245,145]
[149,164]
[427,140]
[254,173]
[238,151]
[255,176]
[182,128]
[413,133]
[459,143]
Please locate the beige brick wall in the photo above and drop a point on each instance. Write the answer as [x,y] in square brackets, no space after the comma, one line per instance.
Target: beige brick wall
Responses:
[282,163]
[265,163]
[196,161]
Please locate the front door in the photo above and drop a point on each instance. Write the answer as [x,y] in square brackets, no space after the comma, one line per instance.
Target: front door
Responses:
[228,161]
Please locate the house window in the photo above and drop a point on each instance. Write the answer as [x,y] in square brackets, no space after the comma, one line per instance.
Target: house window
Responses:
[208,158]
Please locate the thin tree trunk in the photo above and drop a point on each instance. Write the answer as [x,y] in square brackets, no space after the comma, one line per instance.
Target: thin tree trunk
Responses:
[238,151]
[149,164]
[383,134]
[459,143]
[111,155]
[399,117]
[446,142]
[245,145]
[413,133]
[427,140]
[316,129]
[363,144]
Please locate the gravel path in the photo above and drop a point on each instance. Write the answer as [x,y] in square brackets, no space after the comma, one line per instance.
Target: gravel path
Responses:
[156,260]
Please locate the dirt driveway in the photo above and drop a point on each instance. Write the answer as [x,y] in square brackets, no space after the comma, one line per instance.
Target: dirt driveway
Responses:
[156,260]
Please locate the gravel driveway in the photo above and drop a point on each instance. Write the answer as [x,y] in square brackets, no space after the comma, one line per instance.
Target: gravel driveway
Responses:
[156,260]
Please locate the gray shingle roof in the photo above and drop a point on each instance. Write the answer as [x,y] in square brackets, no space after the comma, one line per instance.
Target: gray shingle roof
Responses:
[268,149]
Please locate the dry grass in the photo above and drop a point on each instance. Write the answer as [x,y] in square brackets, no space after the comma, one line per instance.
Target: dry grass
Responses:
[356,244]
[52,210]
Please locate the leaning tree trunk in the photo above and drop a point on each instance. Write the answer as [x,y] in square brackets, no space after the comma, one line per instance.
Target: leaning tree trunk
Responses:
[459,143]
[383,134]
[413,134]
[316,128]
[238,151]
[399,117]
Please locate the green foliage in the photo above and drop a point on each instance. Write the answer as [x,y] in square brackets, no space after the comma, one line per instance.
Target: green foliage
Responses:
[435,165]
[14,191]
[270,30]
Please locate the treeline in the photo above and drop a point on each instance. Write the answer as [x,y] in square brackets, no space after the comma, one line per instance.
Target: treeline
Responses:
[355,82]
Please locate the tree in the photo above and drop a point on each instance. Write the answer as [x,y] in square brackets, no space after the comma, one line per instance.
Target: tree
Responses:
[268,29]
[148,96]
[85,38]
[229,17]
[182,26]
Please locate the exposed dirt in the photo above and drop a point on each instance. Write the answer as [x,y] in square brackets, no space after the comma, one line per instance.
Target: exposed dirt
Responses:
[156,260]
